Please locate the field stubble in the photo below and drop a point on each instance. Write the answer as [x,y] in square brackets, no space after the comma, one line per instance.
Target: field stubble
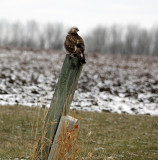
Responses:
[112,83]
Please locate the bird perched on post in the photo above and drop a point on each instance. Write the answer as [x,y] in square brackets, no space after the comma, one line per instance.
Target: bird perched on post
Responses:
[74,44]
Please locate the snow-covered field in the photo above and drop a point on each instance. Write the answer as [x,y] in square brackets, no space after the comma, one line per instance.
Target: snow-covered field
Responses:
[109,83]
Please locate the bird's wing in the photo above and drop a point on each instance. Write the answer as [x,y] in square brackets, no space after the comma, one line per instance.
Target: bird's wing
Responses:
[80,42]
[70,43]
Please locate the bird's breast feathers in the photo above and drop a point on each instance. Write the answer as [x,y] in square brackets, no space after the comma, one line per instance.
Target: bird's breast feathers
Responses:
[73,42]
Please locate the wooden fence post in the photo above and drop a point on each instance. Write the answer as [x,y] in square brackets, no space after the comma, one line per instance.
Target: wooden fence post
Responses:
[60,104]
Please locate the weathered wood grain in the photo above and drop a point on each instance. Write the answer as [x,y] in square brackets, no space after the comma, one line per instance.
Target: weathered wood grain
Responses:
[60,104]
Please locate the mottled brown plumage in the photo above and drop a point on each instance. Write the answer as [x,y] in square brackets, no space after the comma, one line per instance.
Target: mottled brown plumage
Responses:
[74,44]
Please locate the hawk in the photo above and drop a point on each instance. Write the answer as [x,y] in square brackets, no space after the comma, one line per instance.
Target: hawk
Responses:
[74,44]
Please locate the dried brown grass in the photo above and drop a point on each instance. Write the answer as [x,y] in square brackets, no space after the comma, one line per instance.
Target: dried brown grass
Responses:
[66,143]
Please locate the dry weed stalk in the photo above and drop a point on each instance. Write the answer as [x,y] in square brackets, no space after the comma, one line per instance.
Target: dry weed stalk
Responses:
[67,143]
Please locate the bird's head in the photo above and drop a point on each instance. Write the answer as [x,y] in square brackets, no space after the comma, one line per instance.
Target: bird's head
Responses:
[73,30]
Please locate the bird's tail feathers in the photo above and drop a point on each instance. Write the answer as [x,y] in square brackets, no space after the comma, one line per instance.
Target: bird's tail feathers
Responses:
[83,57]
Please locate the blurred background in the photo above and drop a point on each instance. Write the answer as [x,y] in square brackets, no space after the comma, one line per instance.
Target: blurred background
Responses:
[121,39]
[116,26]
